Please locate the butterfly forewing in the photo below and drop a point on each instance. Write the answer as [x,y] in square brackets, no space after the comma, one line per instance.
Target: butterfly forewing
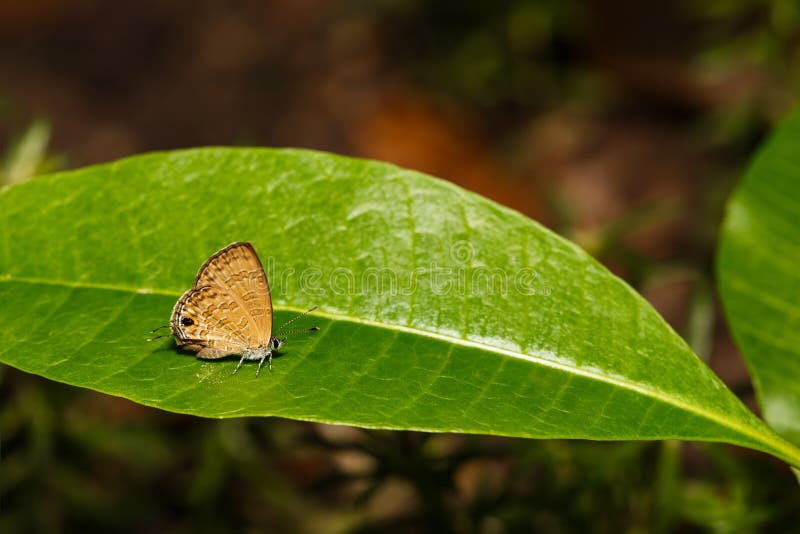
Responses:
[237,270]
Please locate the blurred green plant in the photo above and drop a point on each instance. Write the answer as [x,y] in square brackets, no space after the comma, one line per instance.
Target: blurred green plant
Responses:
[759,279]
[28,155]
[490,54]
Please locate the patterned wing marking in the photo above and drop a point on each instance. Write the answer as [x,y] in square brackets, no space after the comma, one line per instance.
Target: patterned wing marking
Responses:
[209,321]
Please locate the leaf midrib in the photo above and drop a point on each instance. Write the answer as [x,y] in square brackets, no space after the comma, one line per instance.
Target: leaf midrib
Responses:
[788,449]
[88,285]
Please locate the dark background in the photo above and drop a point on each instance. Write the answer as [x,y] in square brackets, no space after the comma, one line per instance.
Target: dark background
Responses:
[622,125]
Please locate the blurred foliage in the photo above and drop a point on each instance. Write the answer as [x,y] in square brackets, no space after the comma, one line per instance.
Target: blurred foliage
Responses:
[488,53]
[742,72]
[761,40]
[27,155]
[75,460]
[97,463]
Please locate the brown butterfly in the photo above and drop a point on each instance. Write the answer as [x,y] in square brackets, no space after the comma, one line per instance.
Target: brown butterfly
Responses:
[229,309]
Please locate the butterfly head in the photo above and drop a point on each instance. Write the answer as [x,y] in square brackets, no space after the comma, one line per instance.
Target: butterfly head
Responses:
[275,342]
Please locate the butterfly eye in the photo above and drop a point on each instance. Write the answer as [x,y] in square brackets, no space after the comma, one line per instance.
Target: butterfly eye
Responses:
[186,321]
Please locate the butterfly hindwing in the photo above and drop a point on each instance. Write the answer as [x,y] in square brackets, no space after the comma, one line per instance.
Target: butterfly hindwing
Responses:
[211,322]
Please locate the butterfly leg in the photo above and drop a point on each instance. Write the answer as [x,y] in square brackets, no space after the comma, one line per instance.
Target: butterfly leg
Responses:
[240,364]
[260,363]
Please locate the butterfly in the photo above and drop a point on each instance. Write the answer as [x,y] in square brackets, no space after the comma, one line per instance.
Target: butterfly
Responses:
[229,310]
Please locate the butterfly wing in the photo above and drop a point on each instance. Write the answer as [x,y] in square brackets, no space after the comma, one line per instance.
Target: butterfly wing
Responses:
[237,270]
[209,321]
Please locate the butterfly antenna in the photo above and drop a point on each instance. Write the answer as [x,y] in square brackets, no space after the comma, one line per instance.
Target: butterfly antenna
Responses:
[296,317]
[154,330]
[159,337]
[300,330]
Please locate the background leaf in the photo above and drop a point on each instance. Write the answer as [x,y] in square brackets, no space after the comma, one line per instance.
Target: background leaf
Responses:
[440,310]
[759,272]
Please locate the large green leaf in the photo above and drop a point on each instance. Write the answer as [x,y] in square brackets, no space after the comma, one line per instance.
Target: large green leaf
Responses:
[759,272]
[439,309]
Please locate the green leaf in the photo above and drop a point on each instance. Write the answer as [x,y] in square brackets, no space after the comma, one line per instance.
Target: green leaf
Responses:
[439,310]
[758,266]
